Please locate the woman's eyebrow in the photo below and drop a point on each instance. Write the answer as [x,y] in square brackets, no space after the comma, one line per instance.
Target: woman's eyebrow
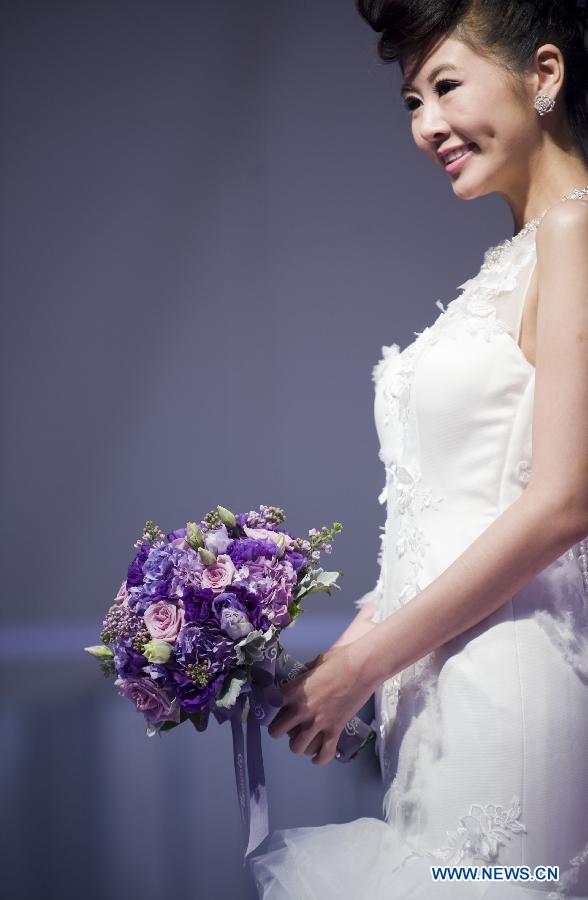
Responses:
[432,75]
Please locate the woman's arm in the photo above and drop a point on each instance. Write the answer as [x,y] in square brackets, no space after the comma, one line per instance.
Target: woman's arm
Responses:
[552,513]
[359,626]
[519,544]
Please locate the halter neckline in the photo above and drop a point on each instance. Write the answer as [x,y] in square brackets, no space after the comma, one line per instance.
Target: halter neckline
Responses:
[532,224]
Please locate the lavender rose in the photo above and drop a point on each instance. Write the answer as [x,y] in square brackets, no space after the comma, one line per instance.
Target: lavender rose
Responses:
[156,704]
[164,620]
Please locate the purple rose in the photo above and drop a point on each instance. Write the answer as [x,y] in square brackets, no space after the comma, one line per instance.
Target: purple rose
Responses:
[156,704]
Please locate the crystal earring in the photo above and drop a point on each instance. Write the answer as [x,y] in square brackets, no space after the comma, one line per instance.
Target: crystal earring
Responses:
[543,104]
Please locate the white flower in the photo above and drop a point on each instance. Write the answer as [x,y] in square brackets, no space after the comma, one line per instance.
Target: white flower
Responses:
[217,541]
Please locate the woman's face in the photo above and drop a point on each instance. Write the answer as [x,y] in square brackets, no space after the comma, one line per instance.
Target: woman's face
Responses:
[472,104]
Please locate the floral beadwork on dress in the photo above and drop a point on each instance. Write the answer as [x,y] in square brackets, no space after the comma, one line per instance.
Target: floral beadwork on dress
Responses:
[523,471]
[411,542]
[393,375]
[474,309]
[481,833]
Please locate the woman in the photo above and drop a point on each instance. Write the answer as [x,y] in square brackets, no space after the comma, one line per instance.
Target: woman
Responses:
[475,638]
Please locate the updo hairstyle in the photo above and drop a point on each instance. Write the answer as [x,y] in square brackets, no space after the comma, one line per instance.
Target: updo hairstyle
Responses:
[507,31]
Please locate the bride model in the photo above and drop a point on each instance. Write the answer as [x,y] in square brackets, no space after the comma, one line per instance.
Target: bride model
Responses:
[475,638]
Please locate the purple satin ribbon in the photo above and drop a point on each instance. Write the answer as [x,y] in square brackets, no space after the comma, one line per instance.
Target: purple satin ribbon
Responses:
[257,705]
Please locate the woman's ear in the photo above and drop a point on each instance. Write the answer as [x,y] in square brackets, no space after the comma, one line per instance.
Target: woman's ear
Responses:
[549,70]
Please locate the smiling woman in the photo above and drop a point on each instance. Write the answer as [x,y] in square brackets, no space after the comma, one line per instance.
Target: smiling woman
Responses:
[474,640]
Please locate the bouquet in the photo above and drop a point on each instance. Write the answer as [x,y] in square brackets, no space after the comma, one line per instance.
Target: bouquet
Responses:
[194,629]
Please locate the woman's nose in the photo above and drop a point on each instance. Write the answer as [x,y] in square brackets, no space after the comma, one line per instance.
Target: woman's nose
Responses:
[432,126]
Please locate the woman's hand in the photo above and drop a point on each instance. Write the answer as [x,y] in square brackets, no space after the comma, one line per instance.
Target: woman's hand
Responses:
[318,704]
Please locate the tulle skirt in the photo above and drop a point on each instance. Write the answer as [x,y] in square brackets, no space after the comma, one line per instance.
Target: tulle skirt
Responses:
[365,859]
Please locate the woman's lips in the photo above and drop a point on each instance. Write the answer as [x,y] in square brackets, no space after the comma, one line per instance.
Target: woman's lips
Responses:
[461,161]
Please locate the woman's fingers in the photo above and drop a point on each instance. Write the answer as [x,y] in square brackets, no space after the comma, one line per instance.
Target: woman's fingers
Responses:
[297,741]
[326,752]
[315,745]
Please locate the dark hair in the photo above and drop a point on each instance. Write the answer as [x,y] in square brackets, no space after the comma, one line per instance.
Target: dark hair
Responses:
[507,30]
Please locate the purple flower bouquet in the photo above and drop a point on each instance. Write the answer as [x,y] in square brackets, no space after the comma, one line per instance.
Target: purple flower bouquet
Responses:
[194,630]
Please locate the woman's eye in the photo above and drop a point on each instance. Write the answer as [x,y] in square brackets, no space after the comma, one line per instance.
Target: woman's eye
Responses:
[410,101]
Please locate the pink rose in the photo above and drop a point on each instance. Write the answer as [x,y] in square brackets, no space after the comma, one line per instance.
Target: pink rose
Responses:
[219,574]
[156,704]
[164,620]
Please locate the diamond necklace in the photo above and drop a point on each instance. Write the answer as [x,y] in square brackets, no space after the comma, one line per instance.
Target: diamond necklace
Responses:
[495,254]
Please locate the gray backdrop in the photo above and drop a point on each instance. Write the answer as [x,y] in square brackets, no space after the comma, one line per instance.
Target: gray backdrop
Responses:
[213,216]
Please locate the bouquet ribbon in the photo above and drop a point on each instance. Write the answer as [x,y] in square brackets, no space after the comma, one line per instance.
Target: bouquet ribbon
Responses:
[258,707]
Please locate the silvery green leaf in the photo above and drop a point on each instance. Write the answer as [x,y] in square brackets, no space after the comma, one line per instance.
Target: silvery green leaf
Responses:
[252,647]
[229,696]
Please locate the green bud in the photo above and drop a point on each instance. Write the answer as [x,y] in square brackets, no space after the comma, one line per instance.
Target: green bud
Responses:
[194,535]
[207,557]
[100,651]
[157,651]
[227,517]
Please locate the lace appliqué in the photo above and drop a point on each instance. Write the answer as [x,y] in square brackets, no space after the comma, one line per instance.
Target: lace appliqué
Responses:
[481,833]
[396,393]
[569,878]
[410,496]
[393,374]
[523,471]
[474,310]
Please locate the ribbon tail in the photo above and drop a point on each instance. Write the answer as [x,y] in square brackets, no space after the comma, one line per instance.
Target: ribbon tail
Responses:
[239,762]
[258,807]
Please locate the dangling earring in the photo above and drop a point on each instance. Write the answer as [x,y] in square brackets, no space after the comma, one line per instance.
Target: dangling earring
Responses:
[543,104]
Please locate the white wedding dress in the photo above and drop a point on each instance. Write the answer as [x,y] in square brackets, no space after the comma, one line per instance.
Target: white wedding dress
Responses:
[483,744]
